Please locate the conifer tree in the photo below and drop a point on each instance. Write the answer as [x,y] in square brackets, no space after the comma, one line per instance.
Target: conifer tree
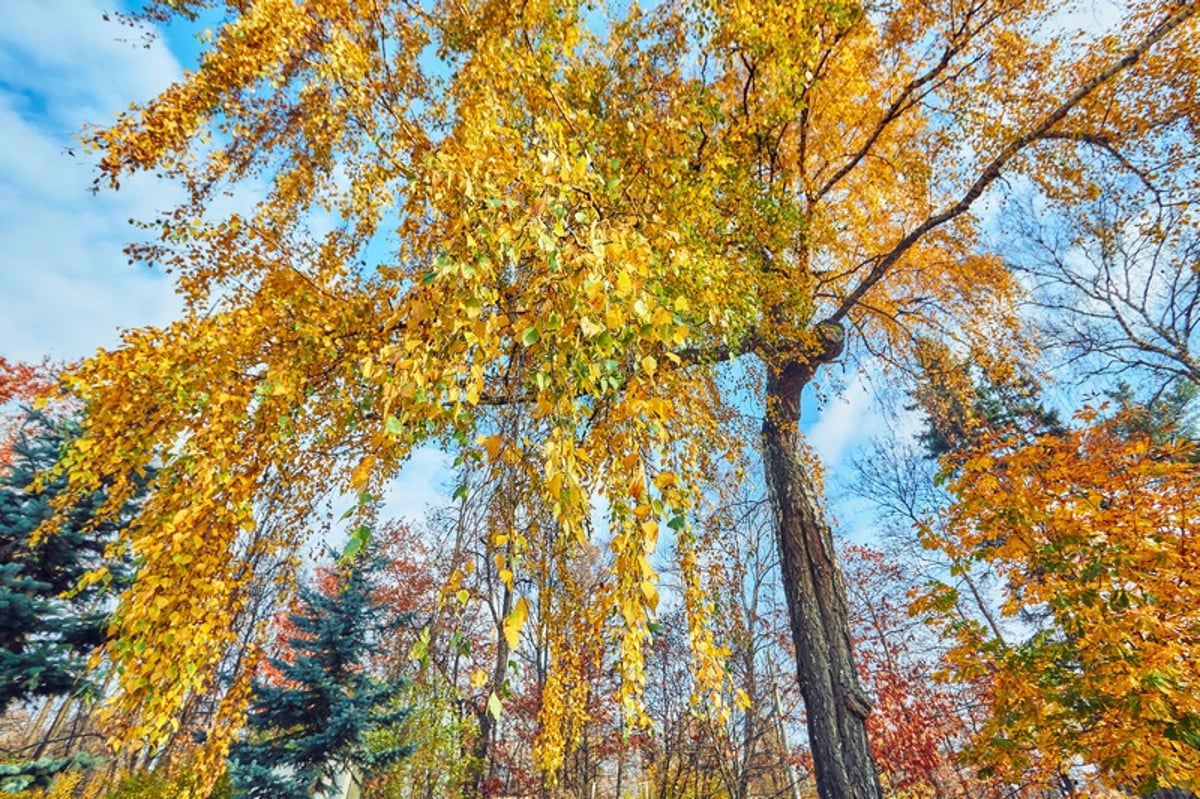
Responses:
[44,633]
[47,629]
[312,724]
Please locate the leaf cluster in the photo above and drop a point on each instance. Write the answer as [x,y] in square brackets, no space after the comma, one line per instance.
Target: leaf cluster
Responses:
[1091,533]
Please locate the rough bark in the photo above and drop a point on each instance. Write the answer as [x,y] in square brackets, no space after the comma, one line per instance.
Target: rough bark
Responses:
[835,704]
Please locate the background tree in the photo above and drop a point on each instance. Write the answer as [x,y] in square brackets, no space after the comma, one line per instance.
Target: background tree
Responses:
[1089,532]
[49,624]
[921,724]
[310,725]
[446,644]
[592,208]
[1112,265]
[748,748]
[979,600]
[20,385]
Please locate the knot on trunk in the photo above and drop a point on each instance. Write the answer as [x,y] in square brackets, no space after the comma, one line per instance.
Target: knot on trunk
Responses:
[858,703]
[831,341]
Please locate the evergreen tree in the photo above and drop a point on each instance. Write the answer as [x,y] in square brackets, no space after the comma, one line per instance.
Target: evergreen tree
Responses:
[962,403]
[1168,414]
[46,632]
[313,723]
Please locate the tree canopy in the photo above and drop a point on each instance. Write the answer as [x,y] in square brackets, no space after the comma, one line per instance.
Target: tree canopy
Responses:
[534,232]
[1087,531]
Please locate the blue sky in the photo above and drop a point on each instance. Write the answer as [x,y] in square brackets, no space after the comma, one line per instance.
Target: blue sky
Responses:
[67,286]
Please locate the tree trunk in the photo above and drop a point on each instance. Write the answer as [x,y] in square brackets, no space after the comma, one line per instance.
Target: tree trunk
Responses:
[483,763]
[835,704]
[789,771]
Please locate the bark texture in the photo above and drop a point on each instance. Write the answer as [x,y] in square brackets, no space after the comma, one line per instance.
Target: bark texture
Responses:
[835,703]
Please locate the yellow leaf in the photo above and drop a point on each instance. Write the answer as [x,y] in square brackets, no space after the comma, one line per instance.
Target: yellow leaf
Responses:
[515,621]
[492,445]
[650,593]
[493,706]
[590,329]
[362,473]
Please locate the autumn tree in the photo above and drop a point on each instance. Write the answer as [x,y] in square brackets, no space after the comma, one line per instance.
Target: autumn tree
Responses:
[745,747]
[1094,661]
[977,601]
[920,725]
[580,213]
[20,384]
[443,648]
[678,758]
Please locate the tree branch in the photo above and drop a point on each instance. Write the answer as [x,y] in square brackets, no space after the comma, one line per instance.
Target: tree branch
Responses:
[1040,131]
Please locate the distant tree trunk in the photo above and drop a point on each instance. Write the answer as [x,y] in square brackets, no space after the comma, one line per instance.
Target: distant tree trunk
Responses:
[835,704]
[789,771]
[483,760]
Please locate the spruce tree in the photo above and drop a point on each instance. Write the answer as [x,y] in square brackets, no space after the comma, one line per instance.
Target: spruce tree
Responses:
[46,631]
[47,628]
[312,723]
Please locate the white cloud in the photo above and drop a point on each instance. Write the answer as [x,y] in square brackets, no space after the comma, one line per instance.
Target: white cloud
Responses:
[67,285]
[422,485]
[64,54]
[848,419]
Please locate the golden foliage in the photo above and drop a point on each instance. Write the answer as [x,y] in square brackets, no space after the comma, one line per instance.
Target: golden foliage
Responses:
[1092,535]
[572,209]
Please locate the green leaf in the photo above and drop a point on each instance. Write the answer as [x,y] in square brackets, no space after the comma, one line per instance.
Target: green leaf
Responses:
[393,426]
[359,538]
[530,336]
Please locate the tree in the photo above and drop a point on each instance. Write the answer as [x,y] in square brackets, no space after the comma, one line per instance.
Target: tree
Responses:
[42,637]
[22,381]
[1113,272]
[1090,532]
[578,212]
[48,627]
[445,647]
[312,723]
[746,748]
[19,383]
[920,725]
